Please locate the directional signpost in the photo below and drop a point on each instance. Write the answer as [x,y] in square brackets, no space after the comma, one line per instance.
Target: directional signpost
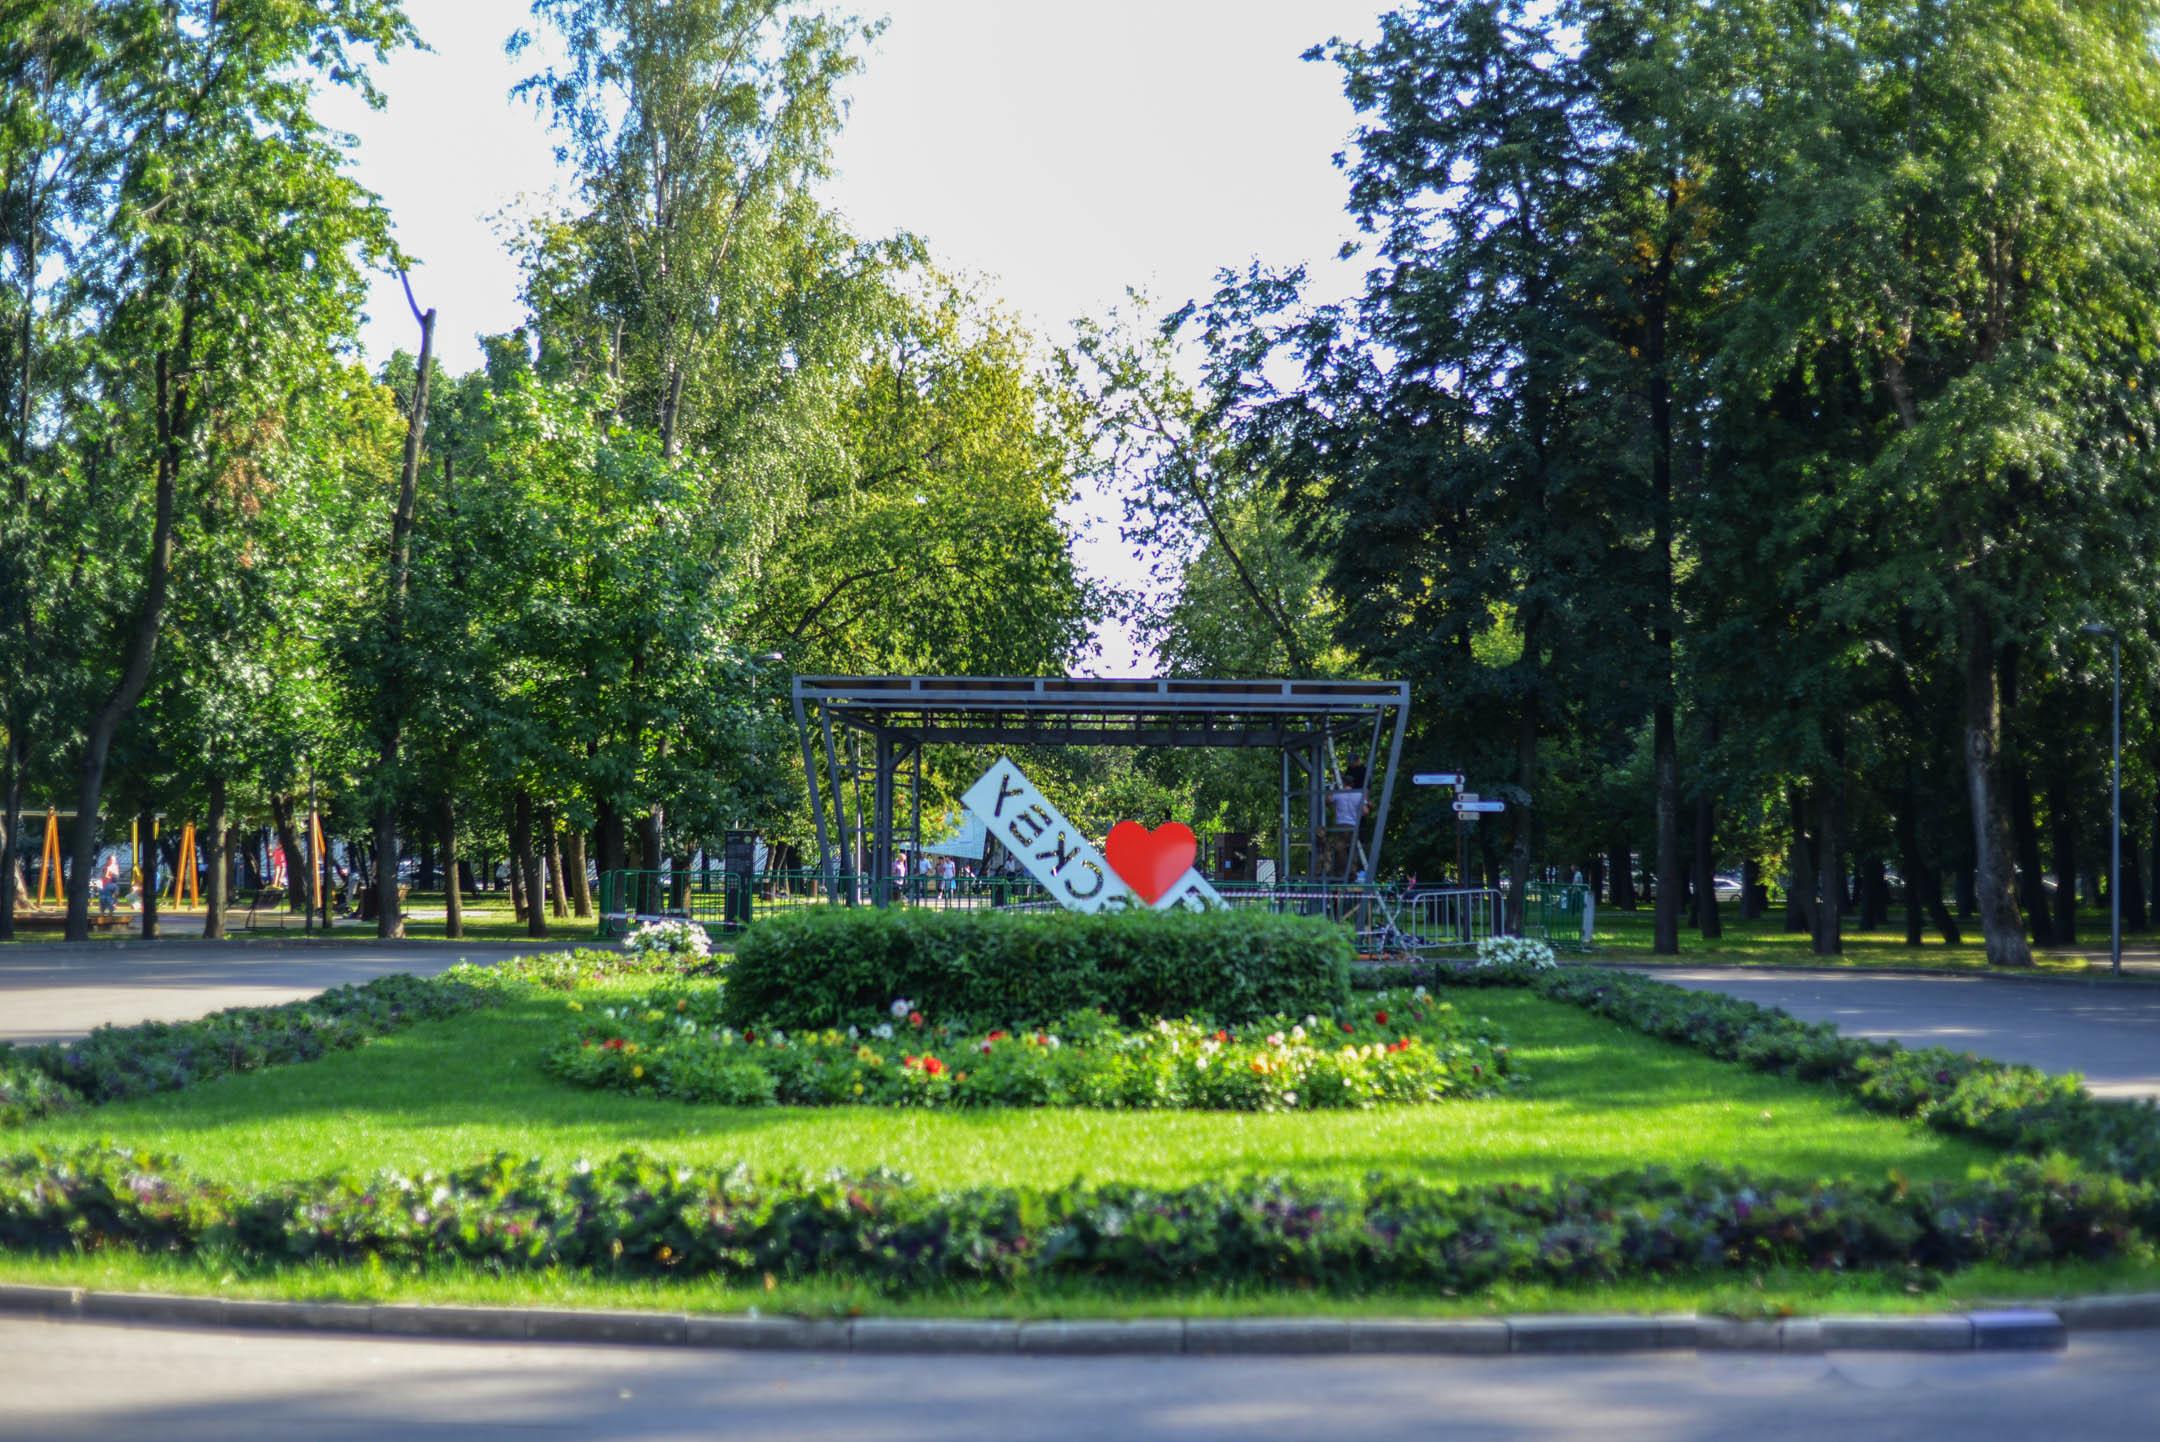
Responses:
[1468,806]
[1436,778]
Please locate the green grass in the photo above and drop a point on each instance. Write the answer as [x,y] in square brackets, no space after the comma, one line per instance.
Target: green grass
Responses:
[1772,1293]
[1626,936]
[1598,1098]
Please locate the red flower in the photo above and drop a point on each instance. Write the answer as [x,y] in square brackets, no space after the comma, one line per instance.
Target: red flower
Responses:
[1222,1036]
[1041,1040]
[613,1043]
[1347,1027]
[1379,1018]
[932,1066]
[995,1036]
[914,1018]
[749,1036]
[907,1061]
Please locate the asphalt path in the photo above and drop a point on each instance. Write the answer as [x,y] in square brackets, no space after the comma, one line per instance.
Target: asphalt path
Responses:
[2109,1033]
[57,992]
[67,1381]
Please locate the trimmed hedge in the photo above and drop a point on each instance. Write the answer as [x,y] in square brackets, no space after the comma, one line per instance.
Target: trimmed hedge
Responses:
[640,1216]
[114,1063]
[827,966]
[2020,1108]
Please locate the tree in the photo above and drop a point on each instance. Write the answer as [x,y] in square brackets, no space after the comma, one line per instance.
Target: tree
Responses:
[227,261]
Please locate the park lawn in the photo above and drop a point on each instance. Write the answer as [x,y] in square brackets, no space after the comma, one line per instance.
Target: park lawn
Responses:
[1597,1098]
[1626,936]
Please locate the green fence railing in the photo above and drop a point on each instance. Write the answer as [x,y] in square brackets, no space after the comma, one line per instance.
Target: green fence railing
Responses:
[1561,914]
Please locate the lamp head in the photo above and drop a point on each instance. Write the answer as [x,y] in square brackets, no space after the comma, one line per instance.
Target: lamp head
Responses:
[2094,628]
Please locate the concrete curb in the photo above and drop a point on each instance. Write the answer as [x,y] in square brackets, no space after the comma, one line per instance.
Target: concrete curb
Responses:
[2028,1328]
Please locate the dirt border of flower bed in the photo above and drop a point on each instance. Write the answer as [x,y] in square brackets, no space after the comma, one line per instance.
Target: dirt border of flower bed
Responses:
[2027,1328]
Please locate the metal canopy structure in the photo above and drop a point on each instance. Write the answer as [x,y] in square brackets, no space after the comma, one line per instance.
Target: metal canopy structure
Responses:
[863,737]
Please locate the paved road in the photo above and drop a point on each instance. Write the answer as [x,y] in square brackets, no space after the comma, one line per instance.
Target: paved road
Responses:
[76,1381]
[56,992]
[2109,1033]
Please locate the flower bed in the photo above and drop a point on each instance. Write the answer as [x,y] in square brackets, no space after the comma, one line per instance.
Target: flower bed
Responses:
[638,1216]
[1404,1047]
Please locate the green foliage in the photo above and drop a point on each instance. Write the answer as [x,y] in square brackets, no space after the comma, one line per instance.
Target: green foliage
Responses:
[638,1215]
[830,966]
[117,1062]
[1400,1048]
[2018,1107]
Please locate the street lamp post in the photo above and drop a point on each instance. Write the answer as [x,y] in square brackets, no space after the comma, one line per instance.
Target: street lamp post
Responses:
[2115,852]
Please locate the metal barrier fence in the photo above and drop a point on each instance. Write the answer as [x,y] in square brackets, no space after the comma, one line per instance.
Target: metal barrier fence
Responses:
[1562,914]
[1387,921]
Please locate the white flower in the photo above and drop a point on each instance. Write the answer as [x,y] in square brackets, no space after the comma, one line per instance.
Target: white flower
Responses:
[1053,1043]
[1311,1020]
[1289,1099]
[777,1038]
[1297,1033]
[1515,951]
[1275,1038]
[882,1031]
[901,1008]
[853,1035]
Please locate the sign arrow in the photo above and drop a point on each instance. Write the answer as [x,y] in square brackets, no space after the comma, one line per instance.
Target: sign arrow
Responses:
[1436,778]
[1463,808]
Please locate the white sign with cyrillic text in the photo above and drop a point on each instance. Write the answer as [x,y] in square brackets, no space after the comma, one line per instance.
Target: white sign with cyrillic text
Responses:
[1056,852]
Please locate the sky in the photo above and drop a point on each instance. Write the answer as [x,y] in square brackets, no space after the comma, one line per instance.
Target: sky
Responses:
[1061,152]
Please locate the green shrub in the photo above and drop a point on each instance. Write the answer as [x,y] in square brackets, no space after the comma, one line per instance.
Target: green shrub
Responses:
[640,1216]
[1401,1048]
[826,967]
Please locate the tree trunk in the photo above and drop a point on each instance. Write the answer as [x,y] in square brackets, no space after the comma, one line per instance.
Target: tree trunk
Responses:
[559,896]
[1665,913]
[1800,895]
[1992,882]
[1752,900]
[214,903]
[146,867]
[1874,895]
[580,885]
[281,821]
[453,893]
[1829,939]
[650,828]
[1706,907]
[517,866]
[2062,826]
[528,864]
[173,421]
[391,695]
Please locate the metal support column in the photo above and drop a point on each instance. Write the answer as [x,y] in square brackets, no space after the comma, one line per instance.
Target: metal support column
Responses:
[839,804]
[881,847]
[1387,787]
[1282,837]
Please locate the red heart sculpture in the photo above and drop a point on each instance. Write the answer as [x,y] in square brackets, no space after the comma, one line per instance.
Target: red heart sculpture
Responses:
[1150,862]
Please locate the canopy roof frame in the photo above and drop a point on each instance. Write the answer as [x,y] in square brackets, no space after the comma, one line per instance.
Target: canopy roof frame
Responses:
[1308,722]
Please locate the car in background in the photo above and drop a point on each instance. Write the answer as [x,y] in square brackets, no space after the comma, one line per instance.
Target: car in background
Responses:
[1725,886]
